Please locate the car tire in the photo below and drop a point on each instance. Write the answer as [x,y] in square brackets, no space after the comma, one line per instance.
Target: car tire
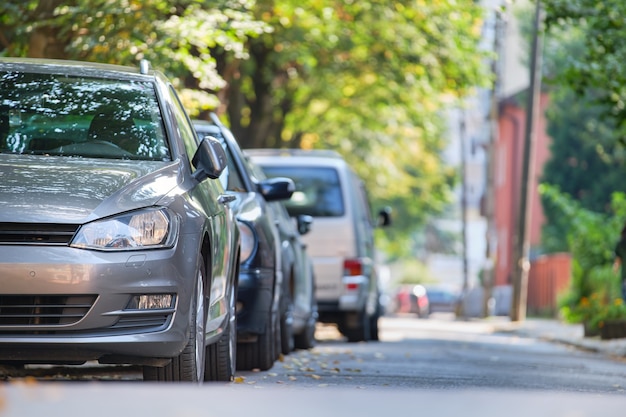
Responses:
[286,325]
[262,353]
[221,356]
[374,323]
[356,326]
[189,365]
[306,339]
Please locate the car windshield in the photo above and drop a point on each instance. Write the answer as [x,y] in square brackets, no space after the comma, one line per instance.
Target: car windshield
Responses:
[317,194]
[46,114]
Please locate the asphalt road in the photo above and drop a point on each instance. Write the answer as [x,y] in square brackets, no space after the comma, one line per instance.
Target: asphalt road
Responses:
[437,367]
[440,354]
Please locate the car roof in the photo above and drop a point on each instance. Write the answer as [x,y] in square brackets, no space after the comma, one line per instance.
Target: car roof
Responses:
[313,157]
[320,153]
[72,67]
[205,126]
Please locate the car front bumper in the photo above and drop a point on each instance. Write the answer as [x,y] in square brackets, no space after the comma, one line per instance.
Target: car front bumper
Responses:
[67,305]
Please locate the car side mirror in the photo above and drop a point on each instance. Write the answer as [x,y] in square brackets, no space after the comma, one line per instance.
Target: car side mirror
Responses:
[304,223]
[384,217]
[278,188]
[209,159]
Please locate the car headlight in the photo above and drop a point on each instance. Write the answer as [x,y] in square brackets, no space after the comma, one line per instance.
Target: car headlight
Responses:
[145,229]
[248,241]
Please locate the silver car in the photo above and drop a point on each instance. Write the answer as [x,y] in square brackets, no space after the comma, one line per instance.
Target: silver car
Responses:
[116,240]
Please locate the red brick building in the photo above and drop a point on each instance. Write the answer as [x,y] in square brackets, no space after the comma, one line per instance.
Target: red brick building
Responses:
[508,160]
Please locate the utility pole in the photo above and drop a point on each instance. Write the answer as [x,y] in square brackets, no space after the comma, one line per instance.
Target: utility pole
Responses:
[488,270]
[462,134]
[522,245]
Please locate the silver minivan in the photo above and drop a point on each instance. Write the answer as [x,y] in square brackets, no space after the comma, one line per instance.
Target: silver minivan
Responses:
[341,243]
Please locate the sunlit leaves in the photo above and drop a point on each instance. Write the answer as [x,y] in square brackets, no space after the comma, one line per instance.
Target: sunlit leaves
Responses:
[600,65]
[367,78]
[177,37]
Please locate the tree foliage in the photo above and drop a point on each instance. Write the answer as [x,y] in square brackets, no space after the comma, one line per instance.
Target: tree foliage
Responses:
[600,65]
[585,142]
[175,36]
[367,78]
[585,161]
[591,239]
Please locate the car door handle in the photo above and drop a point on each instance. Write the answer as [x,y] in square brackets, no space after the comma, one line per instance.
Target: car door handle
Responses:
[226,198]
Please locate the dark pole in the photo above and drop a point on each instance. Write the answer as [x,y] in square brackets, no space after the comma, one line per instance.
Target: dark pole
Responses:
[464,202]
[522,246]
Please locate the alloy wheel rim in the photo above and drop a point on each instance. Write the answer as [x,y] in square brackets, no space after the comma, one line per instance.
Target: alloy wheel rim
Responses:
[199,329]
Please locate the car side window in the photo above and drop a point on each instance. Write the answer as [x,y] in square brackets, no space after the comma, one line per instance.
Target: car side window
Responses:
[232,180]
[184,127]
[318,190]
[235,182]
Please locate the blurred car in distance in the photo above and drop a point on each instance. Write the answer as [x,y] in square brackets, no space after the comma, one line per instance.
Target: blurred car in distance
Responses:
[442,299]
[259,301]
[412,299]
[341,242]
[117,241]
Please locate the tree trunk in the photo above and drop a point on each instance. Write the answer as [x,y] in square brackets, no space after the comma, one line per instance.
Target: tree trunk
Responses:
[45,41]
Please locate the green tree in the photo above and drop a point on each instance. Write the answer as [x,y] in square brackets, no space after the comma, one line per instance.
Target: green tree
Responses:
[585,143]
[585,161]
[591,239]
[368,79]
[600,65]
[175,36]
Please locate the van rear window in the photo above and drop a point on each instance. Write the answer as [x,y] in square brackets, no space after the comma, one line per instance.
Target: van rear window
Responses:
[318,190]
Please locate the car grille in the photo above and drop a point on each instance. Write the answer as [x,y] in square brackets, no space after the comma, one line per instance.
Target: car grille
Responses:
[43,310]
[39,314]
[36,234]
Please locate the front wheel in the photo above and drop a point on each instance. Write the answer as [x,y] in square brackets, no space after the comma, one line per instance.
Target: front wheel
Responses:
[306,339]
[286,326]
[356,326]
[262,353]
[189,365]
[221,356]
[374,323]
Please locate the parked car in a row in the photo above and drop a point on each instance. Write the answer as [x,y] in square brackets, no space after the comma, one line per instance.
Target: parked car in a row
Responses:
[131,234]
[299,304]
[341,244]
[412,299]
[443,298]
[276,308]
[422,300]
[117,240]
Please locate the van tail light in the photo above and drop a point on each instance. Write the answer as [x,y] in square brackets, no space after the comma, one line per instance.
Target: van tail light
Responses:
[352,267]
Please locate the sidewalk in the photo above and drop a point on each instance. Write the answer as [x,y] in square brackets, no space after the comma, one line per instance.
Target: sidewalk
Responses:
[560,332]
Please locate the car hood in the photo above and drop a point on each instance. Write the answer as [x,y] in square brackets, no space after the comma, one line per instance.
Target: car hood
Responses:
[74,190]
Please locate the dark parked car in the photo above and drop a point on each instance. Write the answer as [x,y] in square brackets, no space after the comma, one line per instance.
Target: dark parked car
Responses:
[260,276]
[298,304]
[116,240]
